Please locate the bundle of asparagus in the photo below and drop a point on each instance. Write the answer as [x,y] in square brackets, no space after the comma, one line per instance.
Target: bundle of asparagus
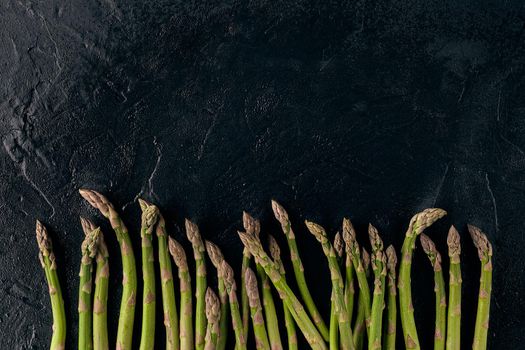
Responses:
[362,313]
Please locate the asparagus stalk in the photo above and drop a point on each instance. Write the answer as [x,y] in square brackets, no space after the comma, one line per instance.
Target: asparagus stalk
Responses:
[334,324]
[282,216]
[85,315]
[378,302]
[289,323]
[100,302]
[352,247]
[217,258]
[391,330]
[246,259]
[48,261]
[169,307]
[229,282]
[186,307]
[439,288]
[337,284]
[485,288]
[349,285]
[454,293]
[194,236]
[307,327]
[418,223]
[256,312]
[129,274]
[150,214]
[359,329]
[272,324]
[213,315]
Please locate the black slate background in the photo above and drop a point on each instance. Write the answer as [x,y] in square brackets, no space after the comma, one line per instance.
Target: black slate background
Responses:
[367,109]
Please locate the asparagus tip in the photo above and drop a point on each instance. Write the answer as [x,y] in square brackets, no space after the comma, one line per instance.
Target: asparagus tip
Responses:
[150,214]
[453,242]
[391,258]
[213,306]
[96,200]
[251,287]
[349,236]
[227,273]
[177,252]
[87,225]
[339,244]
[375,240]
[316,230]
[251,225]
[90,244]
[481,242]
[193,234]
[280,213]
[430,249]
[424,219]
[275,252]
[366,259]
[215,254]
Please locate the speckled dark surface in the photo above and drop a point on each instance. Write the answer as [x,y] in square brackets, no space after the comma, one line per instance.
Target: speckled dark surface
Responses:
[368,109]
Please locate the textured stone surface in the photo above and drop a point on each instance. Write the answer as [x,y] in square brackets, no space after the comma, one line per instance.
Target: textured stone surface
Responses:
[369,109]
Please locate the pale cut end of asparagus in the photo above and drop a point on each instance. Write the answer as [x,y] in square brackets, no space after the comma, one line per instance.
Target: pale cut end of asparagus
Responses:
[194,236]
[275,252]
[87,225]
[339,244]
[178,253]
[481,242]
[45,245]
[424,219]
[430,249]
[317,231]
[213,306]
[215,254]
[251,225]
[251,288]
[454,246]
[280,213]
[349,236]
[391,259]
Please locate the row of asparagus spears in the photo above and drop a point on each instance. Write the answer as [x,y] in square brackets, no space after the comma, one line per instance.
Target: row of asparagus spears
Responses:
[368,288]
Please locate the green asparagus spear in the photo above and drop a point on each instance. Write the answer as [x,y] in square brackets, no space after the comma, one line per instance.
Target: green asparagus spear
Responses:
[352,247]
[186,307]
[454,293]
[378,303]
[485,288]
[289,323]
[391,328]
[319,233]
[282,216]
[349,285]
[334,323]
[418,223]
[48,261]
[213,315]
[129,274]
[100,299]
[359,329]
[272,324]
[194,236]
[307,327]
[256,312]
[169,306]
[85,312]
[150,214]
[217,258]
[229,282]
[439,288]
